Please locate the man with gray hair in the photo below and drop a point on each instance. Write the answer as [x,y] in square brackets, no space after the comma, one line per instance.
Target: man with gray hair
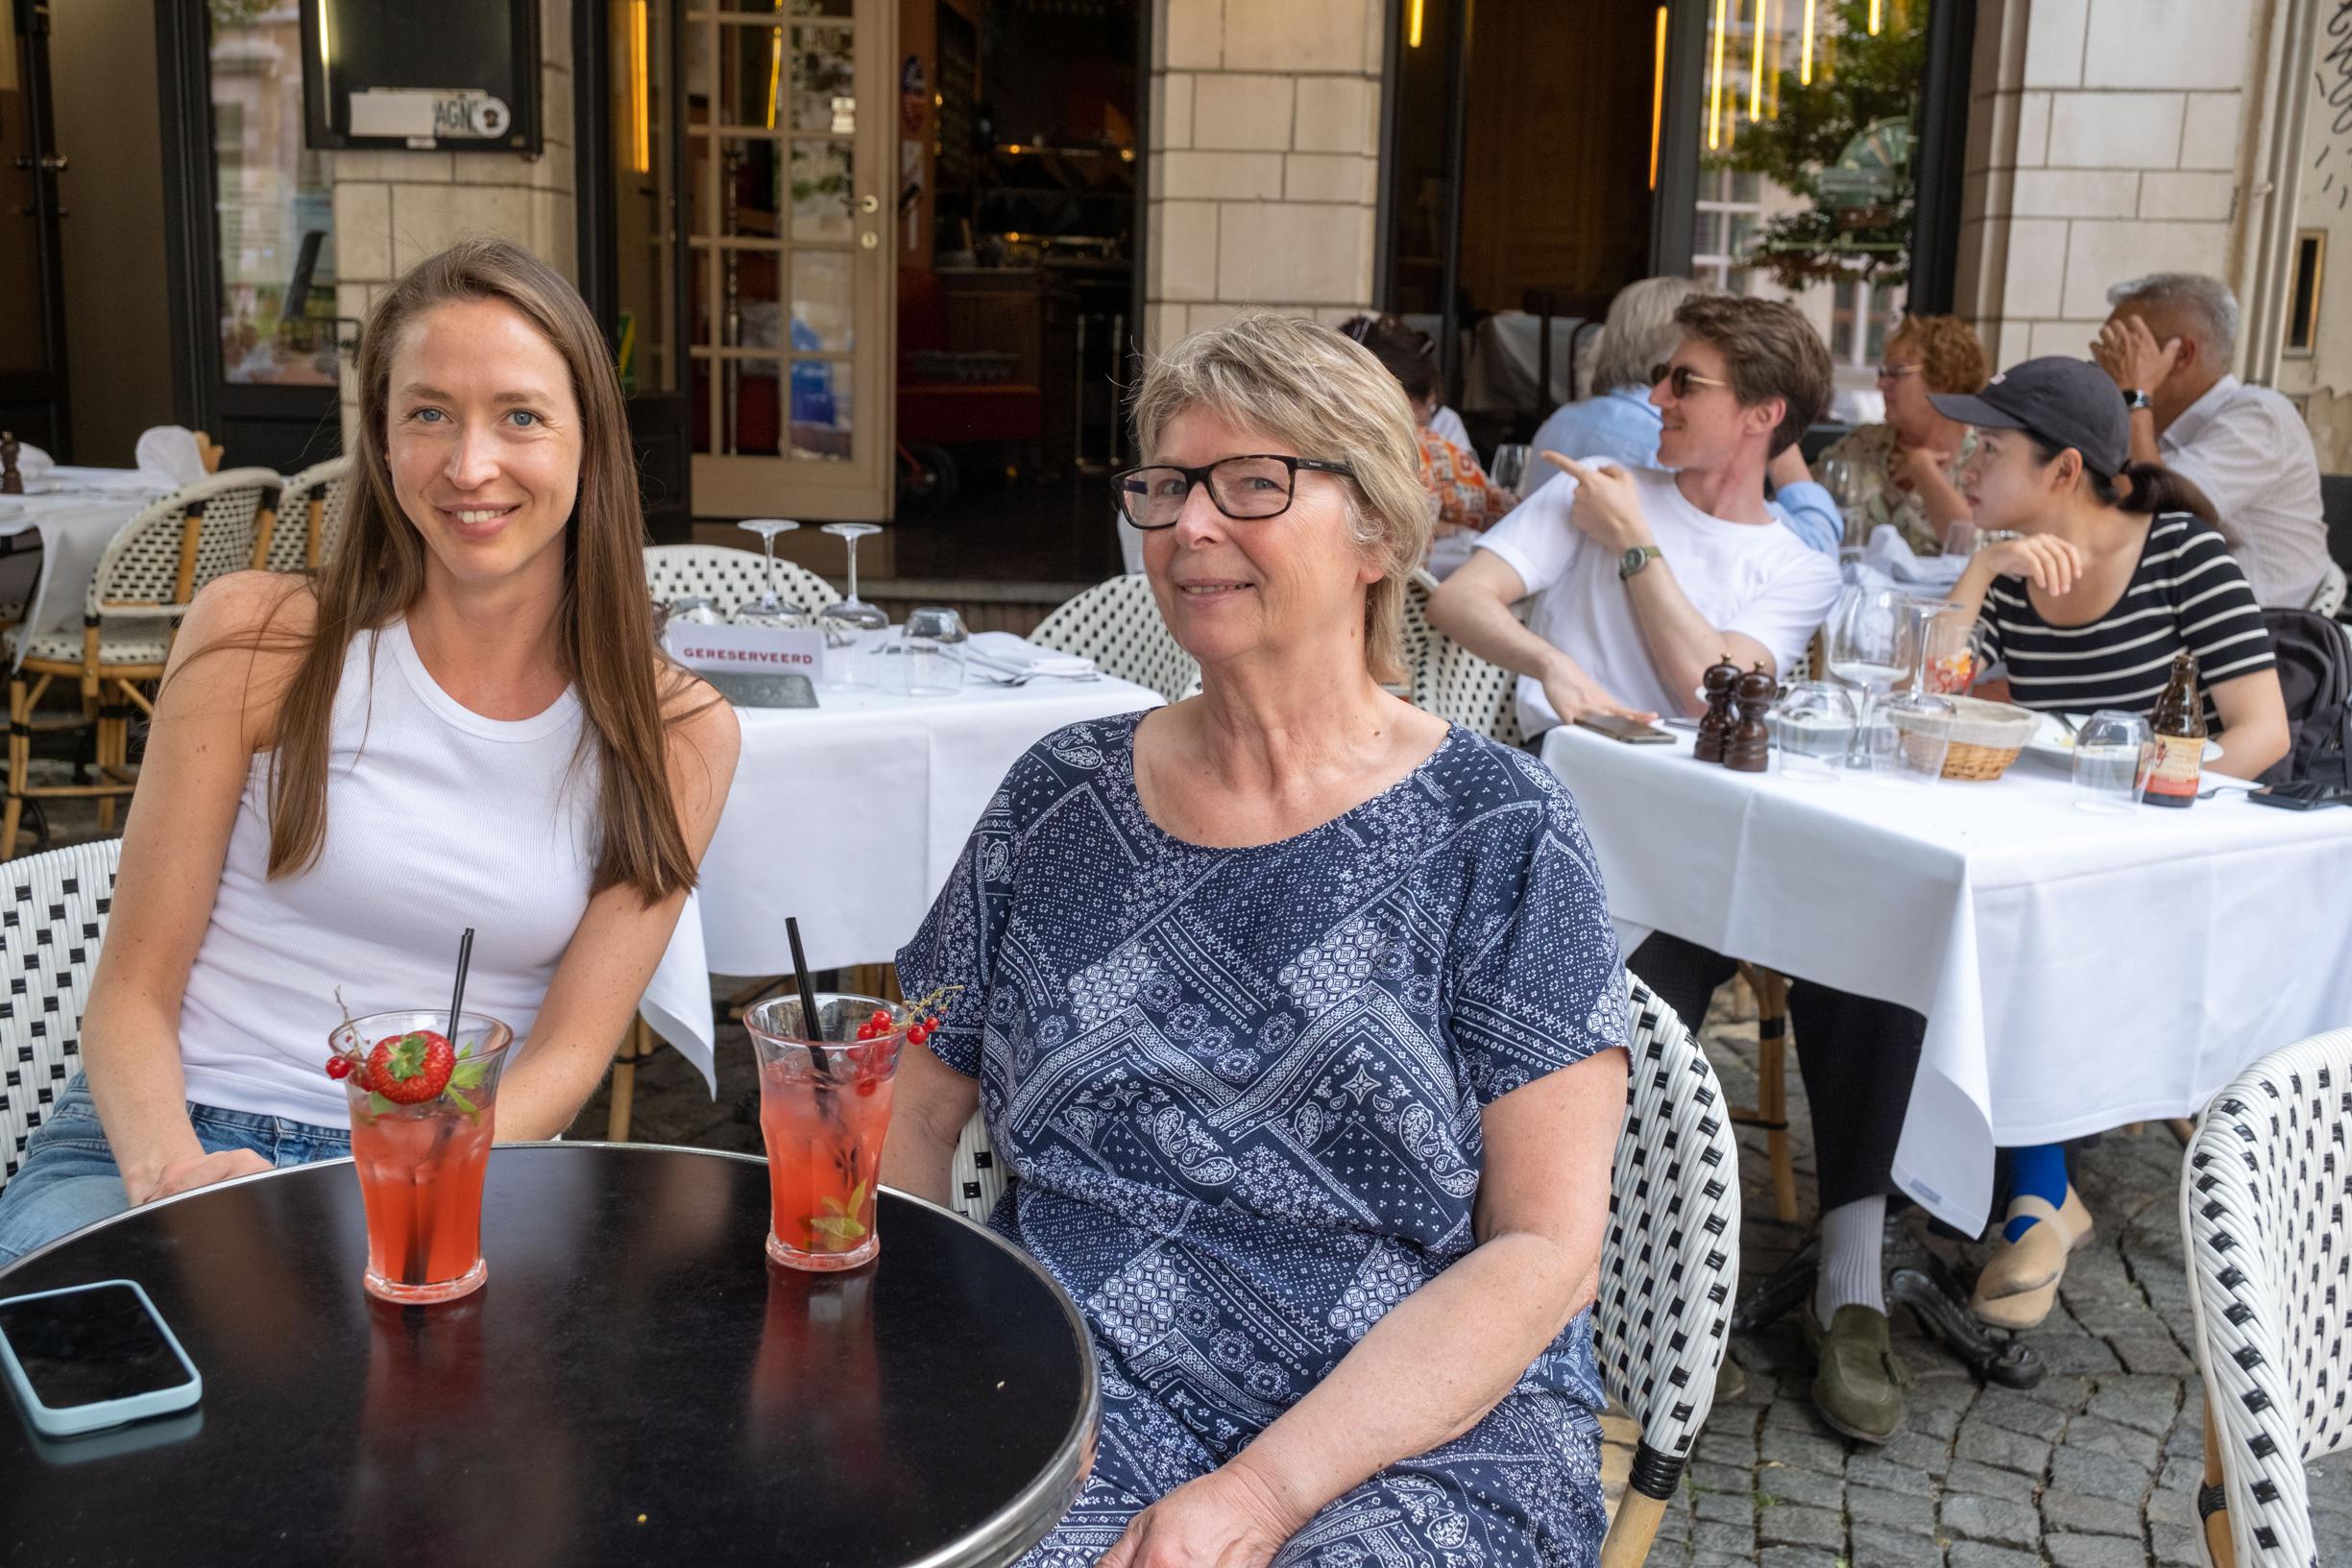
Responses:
[2167,343]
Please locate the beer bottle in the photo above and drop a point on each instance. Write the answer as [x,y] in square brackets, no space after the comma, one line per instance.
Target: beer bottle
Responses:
[2179,724]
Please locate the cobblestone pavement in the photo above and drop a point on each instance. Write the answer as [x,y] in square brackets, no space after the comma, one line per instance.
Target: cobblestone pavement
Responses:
[2096,1467]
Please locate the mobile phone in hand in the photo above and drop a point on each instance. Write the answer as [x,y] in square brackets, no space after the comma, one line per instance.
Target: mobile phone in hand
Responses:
[1633,732]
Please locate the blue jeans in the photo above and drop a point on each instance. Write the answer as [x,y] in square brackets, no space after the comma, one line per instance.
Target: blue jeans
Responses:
[70,1178]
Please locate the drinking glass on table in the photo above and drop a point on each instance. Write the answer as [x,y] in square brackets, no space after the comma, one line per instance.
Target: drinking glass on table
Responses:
[768,607]
[850,623]
[930,654]
[1510,465]
[824,1107]
[2111,762]
[1813,725]
[1866,651]
[424,1107]
[1921,720]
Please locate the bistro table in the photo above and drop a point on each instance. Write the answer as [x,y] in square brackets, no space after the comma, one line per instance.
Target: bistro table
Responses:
[636,1383]
[75,518]
[850,815]
[2076,972]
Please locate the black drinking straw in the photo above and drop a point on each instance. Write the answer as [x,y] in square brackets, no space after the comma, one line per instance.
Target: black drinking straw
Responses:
[809,1023]
[457,998]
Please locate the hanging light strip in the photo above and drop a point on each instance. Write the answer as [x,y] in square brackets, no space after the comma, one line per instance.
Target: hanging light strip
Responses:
[1412,26]
[1657,95]
[1805,58]
[1755,71]
[641,122]
[1714,84]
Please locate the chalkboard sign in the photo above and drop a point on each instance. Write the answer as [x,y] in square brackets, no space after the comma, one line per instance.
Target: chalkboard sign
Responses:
[445,76]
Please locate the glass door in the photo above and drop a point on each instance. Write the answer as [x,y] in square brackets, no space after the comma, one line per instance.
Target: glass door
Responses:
[788,283]
[32,304]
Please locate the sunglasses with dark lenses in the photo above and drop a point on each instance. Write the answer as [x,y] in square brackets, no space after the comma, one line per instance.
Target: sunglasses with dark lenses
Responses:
[1681,378]
[1257,486]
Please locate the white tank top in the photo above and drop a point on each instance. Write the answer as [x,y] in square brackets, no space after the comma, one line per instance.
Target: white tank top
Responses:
[437,820]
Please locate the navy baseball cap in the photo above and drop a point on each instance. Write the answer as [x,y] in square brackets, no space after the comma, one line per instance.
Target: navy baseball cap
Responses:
[2068,402]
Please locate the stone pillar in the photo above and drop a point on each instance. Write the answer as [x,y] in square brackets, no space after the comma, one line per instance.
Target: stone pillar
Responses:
[1265,149]
[395,208]
[2107,139]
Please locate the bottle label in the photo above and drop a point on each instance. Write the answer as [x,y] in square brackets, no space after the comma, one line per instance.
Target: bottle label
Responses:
[2179,759]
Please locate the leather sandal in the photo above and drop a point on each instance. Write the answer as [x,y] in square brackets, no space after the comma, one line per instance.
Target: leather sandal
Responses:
[2019,1281]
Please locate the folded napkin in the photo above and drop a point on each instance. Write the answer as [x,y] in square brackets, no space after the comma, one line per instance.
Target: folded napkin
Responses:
[1000,652]
[1888,553]
[171,451]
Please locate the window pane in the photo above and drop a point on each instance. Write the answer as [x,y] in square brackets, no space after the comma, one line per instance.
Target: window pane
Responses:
[820,411]
[821,191]
[821,298]
[276,216]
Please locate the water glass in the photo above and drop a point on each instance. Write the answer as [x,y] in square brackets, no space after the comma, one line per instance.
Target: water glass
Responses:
[1813,724]
[692,610]
[1510,468]
[930,654]
[2112,756]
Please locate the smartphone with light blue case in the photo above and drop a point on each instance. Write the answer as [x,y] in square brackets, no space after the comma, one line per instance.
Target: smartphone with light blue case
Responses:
[88,1357]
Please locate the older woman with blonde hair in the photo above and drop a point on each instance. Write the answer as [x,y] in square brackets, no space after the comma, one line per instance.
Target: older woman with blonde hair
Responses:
[1293,1014]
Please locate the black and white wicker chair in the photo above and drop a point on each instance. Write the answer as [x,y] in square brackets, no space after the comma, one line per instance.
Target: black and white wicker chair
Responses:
[1669,1260]
[2263,1200]
[310,517]
[727,577]
[53,914]
[1117,624]
[1669,1263]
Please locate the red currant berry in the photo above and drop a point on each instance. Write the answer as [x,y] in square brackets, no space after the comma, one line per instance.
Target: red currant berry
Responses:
[867,1086]
[338,1067]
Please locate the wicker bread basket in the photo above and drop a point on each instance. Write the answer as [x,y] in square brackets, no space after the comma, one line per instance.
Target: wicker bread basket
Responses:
[1984,736]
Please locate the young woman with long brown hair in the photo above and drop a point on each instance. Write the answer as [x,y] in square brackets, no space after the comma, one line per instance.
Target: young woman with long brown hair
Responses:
[462,722]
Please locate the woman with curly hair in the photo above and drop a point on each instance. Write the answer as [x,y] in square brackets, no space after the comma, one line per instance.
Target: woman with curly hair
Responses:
[1906,471]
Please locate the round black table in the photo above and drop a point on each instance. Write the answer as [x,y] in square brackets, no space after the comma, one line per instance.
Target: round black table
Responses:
[636,1383]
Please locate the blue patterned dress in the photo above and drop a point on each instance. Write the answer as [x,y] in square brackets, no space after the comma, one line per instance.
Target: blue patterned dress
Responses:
[1237,1091]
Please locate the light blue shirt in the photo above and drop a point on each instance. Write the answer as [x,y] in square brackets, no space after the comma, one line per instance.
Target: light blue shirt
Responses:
[1622,423]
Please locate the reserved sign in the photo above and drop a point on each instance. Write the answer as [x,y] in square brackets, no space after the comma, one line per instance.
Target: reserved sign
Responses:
[774,649]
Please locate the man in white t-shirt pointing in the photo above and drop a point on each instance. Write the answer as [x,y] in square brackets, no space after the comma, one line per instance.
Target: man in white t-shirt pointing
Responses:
[1641,578]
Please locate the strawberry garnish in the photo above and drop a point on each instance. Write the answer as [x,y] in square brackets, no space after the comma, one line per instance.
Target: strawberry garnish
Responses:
[410,1068]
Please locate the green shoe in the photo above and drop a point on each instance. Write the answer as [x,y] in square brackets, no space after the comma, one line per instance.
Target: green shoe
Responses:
[1858,1386]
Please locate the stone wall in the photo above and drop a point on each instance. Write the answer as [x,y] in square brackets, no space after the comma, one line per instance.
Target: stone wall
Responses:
[1265,141]
[2107,139]
[394,208]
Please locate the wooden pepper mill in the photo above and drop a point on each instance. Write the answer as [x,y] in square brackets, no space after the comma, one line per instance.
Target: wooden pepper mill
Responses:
[12,481]
[1749,747]
[1715,727]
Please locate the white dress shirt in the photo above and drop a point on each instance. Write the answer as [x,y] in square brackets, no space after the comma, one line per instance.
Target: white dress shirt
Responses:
[2250,451]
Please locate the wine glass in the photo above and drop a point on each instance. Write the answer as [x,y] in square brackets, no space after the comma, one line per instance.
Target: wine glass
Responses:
[1866,650]
[1919,717]
[767,608]
[1510,468]
[850,620]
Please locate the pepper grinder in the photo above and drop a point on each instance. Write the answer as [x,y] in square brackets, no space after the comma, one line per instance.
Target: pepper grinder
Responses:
[1749,746]
[12,481]
[1715,727]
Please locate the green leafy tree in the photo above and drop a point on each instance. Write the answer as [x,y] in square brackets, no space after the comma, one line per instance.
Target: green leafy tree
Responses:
[1857,111]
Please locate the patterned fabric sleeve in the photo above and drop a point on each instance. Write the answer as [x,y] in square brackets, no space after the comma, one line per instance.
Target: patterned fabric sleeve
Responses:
[957,941]
[1539,983]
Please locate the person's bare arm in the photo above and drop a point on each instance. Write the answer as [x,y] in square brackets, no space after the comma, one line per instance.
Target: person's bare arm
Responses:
[216,709]
[619,942]
[2045,560]
[1473,607]
[2254,732]
[930,1104]
[1440,1359]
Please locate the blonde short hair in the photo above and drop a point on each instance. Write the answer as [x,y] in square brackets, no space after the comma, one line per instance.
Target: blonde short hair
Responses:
[1313,390]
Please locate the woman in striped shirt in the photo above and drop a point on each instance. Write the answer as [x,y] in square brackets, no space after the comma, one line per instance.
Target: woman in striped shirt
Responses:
[2118,567]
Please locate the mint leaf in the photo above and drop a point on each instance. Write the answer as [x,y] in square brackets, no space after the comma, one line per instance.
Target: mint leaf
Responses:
[467,1075]
[378,1105]
[857,1197]
[464,1105]
[836,1228]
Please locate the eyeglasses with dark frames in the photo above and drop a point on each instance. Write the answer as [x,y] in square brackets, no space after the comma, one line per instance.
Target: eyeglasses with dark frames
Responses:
[1896,373]
[1681,378]
[1247,488]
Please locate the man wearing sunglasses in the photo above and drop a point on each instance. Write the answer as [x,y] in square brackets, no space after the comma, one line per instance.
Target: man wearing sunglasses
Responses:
[1643,578]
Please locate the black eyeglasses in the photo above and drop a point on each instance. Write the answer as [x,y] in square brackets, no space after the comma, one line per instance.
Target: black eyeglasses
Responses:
[1681,378]
[1246,488]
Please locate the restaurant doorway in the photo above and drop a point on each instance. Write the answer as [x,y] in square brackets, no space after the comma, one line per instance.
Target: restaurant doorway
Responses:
[33,401]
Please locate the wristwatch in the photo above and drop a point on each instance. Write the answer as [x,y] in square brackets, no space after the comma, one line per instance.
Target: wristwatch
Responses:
[1636,558]
[2134,398]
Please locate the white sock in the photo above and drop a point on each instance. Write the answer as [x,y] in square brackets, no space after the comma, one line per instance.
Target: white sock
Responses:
[1853,1235]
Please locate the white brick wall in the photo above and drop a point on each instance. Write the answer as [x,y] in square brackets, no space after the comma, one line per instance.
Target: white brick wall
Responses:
[1265,130]
[392,209]
[2103,144]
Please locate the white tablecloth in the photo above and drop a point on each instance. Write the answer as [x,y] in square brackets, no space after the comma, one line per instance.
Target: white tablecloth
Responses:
[74,527]
[2076,972]
[850,816]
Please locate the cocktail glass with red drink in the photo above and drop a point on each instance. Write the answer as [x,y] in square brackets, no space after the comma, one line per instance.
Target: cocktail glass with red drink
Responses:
[423,1109]
[824,1106]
